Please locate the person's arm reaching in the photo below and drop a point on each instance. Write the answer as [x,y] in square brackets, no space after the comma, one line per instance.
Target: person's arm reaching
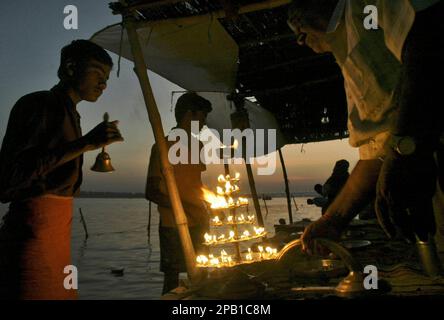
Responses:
[25,155]
[353,197]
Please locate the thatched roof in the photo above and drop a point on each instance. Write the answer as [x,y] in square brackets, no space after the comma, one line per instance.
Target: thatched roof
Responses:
[299,87]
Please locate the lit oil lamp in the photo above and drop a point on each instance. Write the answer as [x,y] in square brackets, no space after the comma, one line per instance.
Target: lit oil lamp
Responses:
[259,231]
[224,199]
[216,220]
[249,255]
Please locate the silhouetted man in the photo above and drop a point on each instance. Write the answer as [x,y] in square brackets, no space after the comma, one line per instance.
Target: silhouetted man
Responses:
[189,107]
[41,171]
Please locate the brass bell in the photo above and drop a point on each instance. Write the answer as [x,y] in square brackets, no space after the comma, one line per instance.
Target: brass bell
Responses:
[103,160]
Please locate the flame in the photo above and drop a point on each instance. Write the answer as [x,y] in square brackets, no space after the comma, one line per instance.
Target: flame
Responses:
[259,230]
[226,260]
[249,255]
[220,191]
[214,261]
[217,202]
[223,260]
[223,199]
[271,251]
[202,259]
[216,220]
[242,201]
[235,145]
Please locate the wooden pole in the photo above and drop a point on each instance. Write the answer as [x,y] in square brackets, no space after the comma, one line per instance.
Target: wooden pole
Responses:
[167,169]
[227,168]
[287,188]
[82,219]
[149,222]
[295,204]
[257,206]
[266,208]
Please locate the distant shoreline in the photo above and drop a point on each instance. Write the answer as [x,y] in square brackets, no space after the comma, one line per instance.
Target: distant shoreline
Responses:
[135,195]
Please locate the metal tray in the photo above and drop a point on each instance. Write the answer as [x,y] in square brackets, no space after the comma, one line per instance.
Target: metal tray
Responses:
[319,268]
[355,244]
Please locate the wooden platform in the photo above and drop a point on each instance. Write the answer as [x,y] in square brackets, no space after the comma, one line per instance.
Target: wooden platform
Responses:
[399,271]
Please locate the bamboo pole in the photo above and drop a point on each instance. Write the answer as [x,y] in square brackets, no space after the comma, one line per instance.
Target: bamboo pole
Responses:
[167,169]
[227,169]
[295,204]
[287,188]
[257,206]
[266,208]
[82,219]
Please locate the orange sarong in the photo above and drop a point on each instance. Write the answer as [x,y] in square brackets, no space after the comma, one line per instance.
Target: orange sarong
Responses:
[35,247]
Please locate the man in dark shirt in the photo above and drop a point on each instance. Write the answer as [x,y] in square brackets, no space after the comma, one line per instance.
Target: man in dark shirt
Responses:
[189,107]
[41,170]
[336,181]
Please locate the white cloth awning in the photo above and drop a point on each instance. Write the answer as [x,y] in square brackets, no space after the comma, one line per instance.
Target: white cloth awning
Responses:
[198,55]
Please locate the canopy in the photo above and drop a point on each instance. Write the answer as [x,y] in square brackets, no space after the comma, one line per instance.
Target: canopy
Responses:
[197,55]
[245,47]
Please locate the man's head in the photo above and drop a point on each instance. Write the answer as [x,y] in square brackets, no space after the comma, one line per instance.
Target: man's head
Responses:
[191,107]
[341,166]
[85,68]
[309,20]
[318,188]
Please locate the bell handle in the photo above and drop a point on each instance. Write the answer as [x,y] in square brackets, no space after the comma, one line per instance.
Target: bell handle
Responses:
[105,119]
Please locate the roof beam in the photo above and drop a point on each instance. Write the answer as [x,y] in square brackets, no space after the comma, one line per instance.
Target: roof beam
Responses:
[258,6]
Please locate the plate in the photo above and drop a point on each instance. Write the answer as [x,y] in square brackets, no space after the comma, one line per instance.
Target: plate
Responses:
[315,268]
[354,234]
[354,244]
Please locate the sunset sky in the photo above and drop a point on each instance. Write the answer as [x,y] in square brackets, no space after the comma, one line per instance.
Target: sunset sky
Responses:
[32,35]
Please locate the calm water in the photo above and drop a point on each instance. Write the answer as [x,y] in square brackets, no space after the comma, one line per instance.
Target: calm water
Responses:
[118,238]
